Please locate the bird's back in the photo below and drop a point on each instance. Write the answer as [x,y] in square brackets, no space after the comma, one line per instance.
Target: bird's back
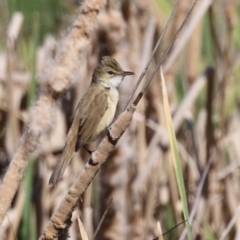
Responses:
[92,108]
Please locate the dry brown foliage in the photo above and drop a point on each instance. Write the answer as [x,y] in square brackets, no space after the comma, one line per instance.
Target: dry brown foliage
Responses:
[138,175]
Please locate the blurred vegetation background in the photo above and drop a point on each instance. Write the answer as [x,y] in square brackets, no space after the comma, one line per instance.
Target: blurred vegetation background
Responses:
[139,176]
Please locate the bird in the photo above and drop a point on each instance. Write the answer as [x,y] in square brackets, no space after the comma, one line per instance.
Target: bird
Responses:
[94,113]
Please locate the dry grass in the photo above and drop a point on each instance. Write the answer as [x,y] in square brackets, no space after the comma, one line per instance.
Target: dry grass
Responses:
[201,71]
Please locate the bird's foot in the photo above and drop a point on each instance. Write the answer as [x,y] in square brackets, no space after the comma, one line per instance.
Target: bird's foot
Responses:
[89,151]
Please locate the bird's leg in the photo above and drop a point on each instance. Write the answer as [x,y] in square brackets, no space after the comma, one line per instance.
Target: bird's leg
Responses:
[89,151]
[91,161]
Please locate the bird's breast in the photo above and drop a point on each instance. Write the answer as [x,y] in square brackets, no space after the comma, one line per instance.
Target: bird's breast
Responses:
[113,97]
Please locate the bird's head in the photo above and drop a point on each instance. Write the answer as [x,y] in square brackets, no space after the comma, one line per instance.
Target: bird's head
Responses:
[109,73]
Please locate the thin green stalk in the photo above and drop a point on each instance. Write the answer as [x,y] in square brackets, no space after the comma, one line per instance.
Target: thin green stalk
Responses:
[176,156]
[28,230]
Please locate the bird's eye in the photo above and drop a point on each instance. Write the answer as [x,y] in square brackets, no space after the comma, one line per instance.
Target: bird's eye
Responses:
[110,72]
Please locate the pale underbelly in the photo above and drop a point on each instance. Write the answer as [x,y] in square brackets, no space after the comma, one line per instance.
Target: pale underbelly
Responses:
[104,123]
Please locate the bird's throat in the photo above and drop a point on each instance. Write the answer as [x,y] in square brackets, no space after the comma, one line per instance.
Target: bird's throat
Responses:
[112,83]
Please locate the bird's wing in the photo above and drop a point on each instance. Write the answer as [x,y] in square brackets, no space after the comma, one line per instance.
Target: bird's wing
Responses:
[91,114]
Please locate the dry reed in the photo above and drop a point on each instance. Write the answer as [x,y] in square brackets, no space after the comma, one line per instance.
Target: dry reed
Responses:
[138,175]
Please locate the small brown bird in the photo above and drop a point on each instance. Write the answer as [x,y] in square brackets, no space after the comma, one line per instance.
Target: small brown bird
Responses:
[94,113]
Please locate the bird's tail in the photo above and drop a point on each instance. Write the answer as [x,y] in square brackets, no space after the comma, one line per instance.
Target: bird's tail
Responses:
[62,164]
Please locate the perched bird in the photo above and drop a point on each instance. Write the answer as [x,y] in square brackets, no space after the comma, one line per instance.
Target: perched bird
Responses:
[94,113]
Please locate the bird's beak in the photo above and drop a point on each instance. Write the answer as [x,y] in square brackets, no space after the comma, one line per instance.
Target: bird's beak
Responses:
[127,73]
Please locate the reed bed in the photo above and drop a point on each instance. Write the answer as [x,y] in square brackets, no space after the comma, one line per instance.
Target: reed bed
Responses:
[168,168]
